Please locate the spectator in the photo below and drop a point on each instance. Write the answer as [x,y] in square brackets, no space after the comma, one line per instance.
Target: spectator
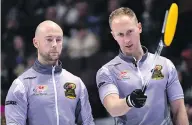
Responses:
[51,14]
[186,68]
[67,14]
[188,103]
[11,29]
[4,73]
[30,61]
[83,44]
[15,57]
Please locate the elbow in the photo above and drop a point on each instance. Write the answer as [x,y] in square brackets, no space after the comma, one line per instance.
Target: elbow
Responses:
[114,114]
[115,106]
[114,111]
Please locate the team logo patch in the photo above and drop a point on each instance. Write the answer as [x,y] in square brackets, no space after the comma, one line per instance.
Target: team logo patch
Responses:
[157,74]
[124,75]
[70,90]
[40,90]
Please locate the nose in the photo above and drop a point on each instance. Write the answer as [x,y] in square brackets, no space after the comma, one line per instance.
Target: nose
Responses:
[54,43]
[126,39]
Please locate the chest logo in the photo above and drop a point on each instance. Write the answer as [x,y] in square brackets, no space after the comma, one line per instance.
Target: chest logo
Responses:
[70,90]
[124,75]
[157,74]
[40,90]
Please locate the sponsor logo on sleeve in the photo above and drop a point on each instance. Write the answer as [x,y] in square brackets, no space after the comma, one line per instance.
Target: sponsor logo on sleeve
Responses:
[101,84]
[10,103]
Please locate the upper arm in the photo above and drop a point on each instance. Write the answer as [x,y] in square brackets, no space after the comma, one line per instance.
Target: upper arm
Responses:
[16,104]
[105,84]
[109,99]
[174,89]
[177,105]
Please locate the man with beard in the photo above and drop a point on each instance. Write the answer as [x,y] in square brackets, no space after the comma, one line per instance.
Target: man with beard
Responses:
[46,94]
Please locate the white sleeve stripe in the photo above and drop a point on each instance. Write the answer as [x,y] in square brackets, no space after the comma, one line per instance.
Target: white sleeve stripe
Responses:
[108,93]
[20,87]
[181,96]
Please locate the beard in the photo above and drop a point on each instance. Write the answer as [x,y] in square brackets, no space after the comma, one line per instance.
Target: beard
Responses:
[50,57]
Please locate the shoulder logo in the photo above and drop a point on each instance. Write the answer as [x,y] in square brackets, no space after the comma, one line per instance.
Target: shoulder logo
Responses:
[157,74]
[70,90]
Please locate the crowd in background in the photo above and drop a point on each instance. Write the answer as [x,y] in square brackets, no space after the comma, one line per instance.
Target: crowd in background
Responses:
[88,43]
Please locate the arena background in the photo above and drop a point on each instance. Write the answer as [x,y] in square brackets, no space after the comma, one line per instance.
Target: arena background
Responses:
[85,26]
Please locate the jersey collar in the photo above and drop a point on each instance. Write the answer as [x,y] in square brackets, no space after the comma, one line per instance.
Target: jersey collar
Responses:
[46,69]
[131,58]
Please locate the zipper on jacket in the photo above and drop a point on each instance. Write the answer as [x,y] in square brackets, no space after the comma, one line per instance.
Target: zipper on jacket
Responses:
[141,76]
[55,90]
[138,70]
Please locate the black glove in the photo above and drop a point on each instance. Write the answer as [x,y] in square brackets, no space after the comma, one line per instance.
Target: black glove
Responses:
[136,99]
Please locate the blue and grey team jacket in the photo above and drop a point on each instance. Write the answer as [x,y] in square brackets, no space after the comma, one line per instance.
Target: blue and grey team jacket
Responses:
[47,95]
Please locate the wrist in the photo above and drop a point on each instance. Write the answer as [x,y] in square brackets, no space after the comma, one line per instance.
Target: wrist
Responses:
[128,101]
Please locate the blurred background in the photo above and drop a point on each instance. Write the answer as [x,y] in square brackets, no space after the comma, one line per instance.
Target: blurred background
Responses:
[88,43]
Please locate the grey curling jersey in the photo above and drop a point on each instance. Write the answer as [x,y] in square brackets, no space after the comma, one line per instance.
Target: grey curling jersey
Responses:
[121,76]
[46,95]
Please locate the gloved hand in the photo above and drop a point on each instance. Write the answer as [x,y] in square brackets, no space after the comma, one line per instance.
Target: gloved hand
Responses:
[136,99]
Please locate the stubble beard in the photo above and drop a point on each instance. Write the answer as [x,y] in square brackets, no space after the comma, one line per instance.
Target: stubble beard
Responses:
[49,59]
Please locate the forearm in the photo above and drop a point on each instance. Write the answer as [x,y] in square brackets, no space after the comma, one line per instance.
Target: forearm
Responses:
[180,117]
[118,107]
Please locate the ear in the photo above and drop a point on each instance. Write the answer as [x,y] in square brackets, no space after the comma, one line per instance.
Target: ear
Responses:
[35,43]
[140,27]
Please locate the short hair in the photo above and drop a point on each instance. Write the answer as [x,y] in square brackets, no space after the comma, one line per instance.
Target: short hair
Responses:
[122,11]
